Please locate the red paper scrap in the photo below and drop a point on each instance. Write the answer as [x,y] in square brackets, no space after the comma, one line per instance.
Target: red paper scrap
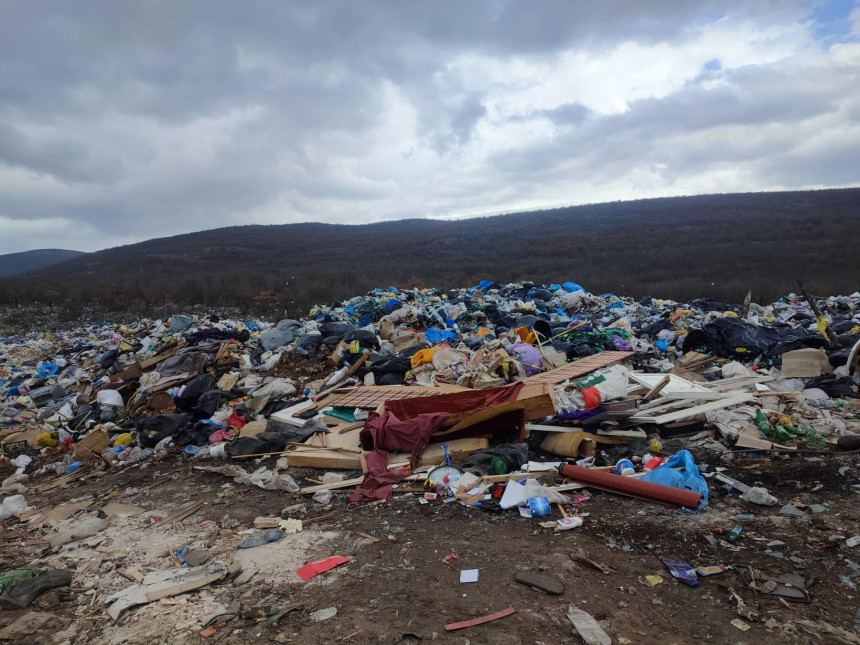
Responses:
[312,569]
[478,621]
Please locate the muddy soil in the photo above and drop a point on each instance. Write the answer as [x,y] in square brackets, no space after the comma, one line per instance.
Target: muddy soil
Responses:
[396,588]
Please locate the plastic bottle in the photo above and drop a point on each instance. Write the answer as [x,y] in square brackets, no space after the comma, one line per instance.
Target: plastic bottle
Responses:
[832,404]
[793,429]
[763,424]
[73,467]
[735,534]
[781,433]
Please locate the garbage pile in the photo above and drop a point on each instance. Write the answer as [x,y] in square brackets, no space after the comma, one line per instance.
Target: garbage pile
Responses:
[499,397]
[121,393]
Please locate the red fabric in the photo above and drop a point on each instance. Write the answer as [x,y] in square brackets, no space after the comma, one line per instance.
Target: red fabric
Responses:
[312,569]
[237,421]
[407,426]
[454,403]
[592,398]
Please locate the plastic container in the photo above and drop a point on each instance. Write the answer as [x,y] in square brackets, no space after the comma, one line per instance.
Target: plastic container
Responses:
[623,466]
[568,523]
[73,467]
[538,506]
[219,450]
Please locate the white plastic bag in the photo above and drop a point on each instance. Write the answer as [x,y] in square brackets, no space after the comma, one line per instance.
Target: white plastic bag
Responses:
[13,506]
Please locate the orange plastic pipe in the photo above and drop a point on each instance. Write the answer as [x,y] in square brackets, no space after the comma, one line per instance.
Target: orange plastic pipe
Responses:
[632,487]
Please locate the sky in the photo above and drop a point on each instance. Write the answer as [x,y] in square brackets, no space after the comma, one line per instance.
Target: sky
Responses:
[124,121]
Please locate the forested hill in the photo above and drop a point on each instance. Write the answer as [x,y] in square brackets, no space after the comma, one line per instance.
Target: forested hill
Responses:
[15,263]
[715,246]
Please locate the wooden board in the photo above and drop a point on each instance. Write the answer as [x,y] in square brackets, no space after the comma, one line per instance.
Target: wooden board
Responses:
[676,383]
[691,412]
[580,367]
[458,450]
[369,397]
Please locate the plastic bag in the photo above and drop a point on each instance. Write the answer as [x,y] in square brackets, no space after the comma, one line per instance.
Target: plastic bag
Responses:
[13,505]
[82,529]
[687,479]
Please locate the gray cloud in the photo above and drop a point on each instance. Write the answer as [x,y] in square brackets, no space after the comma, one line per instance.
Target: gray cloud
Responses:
[123,121]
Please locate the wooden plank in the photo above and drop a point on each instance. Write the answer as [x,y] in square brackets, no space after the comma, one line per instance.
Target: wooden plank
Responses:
[152,596]
[369,397]
[691,412]
[735,383]
[654,391]
[580,367]
[350,458]
[163,356]
[676,383]
[346,483]
[316,457]
[492,479]
[181,515]
[538,427]
[662,404]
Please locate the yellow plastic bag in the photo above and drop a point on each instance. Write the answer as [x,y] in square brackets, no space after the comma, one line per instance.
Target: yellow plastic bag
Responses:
[424,356]
[123,440]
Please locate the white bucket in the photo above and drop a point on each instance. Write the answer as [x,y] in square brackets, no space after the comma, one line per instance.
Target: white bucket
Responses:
[218,450]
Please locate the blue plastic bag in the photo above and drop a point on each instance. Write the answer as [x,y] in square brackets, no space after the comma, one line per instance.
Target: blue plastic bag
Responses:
[687,479]
[437,335]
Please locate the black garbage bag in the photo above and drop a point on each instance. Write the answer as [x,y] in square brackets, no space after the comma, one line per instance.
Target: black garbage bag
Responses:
[842,326]
[389,379]
[276,405]
[196,435]
[514,454]
[390,368]
[249,446]
[193,391]
[212,333]
[108,358]
[366,339]
[162,426]
[834,386]
[310,342]
[209,402]
[655,328]
[335,329]
[711,305]
[724,336]
[474,343]
[279,434]
[498,318]
[84,412]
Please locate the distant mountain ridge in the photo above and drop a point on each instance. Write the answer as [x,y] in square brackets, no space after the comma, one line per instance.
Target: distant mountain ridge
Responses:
[15,263]
[714,246]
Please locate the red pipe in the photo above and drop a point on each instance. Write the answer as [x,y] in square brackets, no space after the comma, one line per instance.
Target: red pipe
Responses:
[633,487]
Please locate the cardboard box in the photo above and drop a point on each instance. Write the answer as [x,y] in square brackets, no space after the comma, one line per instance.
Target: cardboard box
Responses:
[805,363]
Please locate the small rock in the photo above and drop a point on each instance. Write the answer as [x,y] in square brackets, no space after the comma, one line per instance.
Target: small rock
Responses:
[544,583]
[324,614]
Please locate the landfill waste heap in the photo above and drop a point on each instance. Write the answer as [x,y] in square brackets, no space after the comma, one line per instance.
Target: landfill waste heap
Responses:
[514,402]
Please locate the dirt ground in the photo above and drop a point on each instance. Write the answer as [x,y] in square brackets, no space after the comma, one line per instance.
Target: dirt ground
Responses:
[398,589]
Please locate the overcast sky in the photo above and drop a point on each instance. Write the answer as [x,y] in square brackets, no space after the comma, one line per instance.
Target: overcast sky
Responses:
[121,121]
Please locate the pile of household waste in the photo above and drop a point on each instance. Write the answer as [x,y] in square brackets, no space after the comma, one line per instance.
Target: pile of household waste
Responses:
[499,397]
[604,367]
